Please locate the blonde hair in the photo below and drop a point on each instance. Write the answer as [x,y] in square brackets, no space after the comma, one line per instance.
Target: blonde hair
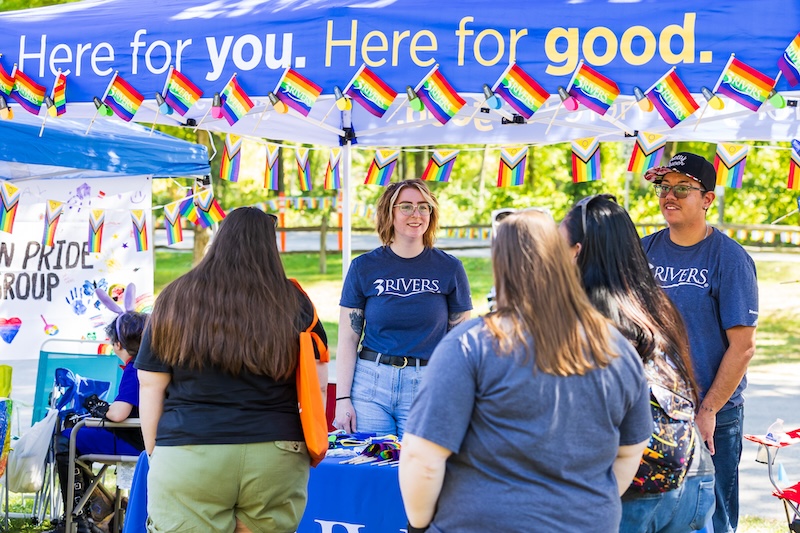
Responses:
[384,220]
[541,301]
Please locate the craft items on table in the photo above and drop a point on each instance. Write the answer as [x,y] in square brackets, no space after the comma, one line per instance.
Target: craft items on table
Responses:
[363,448]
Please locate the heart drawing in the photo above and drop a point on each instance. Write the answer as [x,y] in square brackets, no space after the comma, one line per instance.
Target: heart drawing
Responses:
[9,327]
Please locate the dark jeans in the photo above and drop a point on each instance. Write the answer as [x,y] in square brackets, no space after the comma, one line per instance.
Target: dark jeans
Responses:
[728,452]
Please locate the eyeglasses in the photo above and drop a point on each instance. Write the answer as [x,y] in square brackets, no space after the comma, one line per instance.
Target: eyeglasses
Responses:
[584,205]
[680,191]
[408,209]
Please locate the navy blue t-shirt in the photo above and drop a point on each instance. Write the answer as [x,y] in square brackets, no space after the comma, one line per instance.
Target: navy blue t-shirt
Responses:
[406,302]
[713,284]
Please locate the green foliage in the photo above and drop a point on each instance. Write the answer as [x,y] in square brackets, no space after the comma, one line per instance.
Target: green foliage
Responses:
[13,5]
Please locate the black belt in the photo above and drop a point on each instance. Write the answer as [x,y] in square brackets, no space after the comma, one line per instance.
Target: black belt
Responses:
[397,361]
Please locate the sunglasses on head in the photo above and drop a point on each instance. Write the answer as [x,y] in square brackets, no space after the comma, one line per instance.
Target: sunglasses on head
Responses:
[584,205]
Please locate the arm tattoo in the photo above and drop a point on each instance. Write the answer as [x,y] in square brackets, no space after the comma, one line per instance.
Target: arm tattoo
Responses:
[454,319]
[357,321]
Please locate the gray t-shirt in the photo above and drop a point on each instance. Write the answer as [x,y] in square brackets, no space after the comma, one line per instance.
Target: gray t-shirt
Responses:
[531,451]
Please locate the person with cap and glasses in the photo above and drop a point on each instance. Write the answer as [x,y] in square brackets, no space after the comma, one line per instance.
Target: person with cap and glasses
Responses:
[402,298]
[712,281]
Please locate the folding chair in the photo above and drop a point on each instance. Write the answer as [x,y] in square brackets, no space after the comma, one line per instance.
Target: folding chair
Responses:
[790,496]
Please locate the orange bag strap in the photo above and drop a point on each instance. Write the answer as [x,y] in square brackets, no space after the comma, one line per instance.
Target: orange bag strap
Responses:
[324,355]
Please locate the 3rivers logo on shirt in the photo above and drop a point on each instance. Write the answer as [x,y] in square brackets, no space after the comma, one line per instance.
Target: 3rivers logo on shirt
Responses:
[403,287]
[669,277]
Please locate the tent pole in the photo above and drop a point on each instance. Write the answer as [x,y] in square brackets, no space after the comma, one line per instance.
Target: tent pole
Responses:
[347,211]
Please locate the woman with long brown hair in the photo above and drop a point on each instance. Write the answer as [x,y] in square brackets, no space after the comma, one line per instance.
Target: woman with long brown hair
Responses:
[218,398]
[545,410]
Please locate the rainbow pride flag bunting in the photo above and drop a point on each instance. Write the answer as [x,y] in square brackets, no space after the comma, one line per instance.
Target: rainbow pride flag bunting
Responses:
[139,221]
[122,98]
[231,152]
[9,197]
[188,208]
[440,165]
[439,97]
[59,95]
[647,152]
[172,223]
[6,81]
[382,167]
[97,219]
[52,215]
[180,93]
[371,92]
[672,99]
[585,160]
[303,169]
[271,178]
[729,164]
[521,91]
[793,183]
[28,93]
[592,89]
[235,102]
[297,92]
[513,161]
[744,84]
[208,209]
[789,63]
[333,174]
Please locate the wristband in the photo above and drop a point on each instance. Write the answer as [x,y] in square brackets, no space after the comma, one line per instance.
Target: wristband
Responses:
[412,529]
[342,398]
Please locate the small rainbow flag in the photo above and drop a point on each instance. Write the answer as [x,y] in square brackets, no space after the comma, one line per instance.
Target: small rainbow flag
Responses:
[172,222]
[52,215]
[513,161]
[6,81]
[585,160]
[9,198]
[27,92]
[333,174]
[370,91]
[208,209]
[271,177]
[789,63]
[303,169]
[180,93]
[647,152]
[744,84]
[123,99]
[297,92]
[729,164]
[521,91]
[793,183]
[231,152]
[440,165]
[59,95]
[97,219]
[672,99]
[439,97]
[235,102]
[189,210]
[382,167]
[592,89]
[139,221]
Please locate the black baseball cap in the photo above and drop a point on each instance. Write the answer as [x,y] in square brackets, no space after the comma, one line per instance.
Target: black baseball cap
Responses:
[692,165]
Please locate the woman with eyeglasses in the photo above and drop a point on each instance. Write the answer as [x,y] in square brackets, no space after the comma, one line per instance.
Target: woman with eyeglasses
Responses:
[398,301]
[218,398]
[532,418]
[673,490]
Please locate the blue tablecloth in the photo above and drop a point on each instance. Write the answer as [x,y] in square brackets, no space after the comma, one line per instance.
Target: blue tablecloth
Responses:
[353,498]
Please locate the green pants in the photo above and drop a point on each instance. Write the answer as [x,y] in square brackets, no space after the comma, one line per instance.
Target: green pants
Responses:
[204,488]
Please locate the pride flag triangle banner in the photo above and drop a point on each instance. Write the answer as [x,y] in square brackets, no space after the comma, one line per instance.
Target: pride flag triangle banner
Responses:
[440,165]
[439,97]
[172,223]
[333,174]
[97,219]
[521,91]
[271,168]
[592,89]
[139,221]
[585,160]
[672,99]
[513,161]
[231,152]
[52,215]
[793,183]
[729,164]
[647,152]
[208,209]
[382,167]
[9,197]
[28,93]
[303,168]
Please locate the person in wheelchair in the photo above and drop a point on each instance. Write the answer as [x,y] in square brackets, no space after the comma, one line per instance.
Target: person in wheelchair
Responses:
[125,334]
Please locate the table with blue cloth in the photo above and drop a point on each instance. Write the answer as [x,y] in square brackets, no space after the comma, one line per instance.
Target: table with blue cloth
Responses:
[359,498]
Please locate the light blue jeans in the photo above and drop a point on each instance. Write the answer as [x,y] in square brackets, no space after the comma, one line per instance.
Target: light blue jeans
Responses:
[382,396]
[684,509]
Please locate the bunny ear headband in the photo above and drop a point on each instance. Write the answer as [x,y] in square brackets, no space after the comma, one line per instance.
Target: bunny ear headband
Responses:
[129,300]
